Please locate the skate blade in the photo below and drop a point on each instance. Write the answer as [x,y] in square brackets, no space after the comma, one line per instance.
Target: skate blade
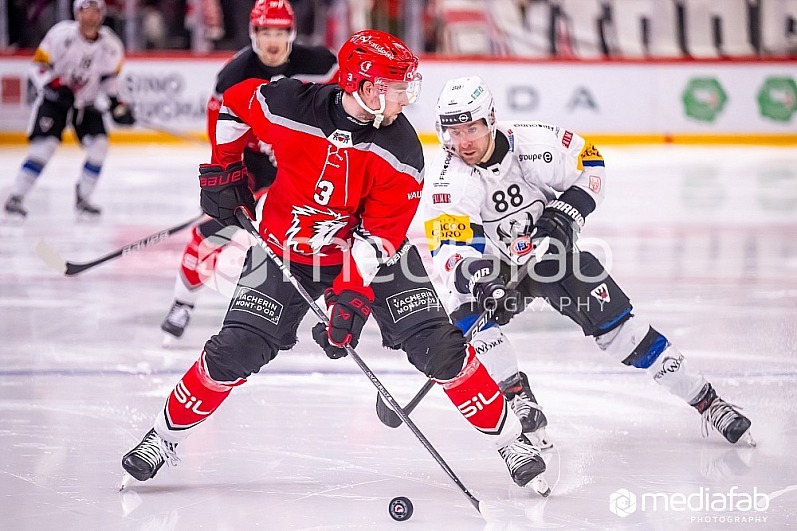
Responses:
[748,439]
[13,220]
[540,486]
[85,217]
[540,439]
[127,479]
[169,341]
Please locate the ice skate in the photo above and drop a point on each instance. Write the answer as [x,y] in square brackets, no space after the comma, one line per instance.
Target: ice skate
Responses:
[84,210]
[175,322]
[518,393]
[14,211]
[148,456]
[723,417]
[525,464]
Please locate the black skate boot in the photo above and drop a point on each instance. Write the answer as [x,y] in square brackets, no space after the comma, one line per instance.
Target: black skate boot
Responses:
[722,416]
[14,209]
[175,322]
[84,210]
[144,461]
[525,464]
[518,393]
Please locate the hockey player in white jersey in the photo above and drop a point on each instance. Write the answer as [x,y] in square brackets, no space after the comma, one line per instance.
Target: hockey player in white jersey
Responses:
[495,189]
[76,63]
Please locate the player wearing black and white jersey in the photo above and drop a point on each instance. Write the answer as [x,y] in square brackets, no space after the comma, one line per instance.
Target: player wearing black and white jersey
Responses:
[272,55]
[497,189]
[74,68]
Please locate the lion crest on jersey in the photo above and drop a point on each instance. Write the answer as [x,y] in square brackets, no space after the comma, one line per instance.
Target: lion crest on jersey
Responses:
[312,229]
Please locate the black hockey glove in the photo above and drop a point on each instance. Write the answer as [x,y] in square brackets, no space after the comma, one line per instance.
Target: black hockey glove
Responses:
[478,277]
[59,94]
[563,218]
[348,313]
[223,191]
[121,113]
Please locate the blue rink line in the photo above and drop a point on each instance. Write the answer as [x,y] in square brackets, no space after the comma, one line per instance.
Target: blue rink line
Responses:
[298,372]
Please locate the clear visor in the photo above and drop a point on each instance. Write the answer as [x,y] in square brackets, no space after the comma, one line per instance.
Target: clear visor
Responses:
[405,92]
[453,135]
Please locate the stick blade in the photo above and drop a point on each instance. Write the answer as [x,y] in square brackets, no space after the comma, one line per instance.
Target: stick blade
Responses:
[50,257]
[388,417]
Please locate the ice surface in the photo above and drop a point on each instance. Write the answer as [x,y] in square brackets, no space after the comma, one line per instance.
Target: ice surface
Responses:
[703,240]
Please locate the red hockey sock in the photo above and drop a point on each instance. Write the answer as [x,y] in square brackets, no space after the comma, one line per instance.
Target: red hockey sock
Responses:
[195,397]
[477,396]
[199,259]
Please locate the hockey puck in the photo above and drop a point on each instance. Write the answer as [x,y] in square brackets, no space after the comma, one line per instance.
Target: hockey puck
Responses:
[400,508]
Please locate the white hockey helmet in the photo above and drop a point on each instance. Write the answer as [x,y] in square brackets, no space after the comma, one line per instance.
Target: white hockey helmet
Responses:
[77,5]
[463,100]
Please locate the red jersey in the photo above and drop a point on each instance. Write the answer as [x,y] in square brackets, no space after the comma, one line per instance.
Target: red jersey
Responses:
[345,192]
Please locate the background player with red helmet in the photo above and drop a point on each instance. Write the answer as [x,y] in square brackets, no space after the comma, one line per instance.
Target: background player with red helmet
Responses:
[348,184]
[272,55]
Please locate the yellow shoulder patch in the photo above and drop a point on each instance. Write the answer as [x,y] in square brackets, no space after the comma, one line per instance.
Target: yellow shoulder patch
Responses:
[448,228]
[40,56]
[589,156]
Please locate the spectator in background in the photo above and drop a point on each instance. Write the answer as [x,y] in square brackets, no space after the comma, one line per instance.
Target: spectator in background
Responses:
[154,32]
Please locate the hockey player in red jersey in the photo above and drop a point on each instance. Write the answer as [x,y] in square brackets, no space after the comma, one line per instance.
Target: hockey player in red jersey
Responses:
[272,55]
[348,183]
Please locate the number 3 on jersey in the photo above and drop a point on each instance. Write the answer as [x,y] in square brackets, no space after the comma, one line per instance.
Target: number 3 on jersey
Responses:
[323,191]
[503,199]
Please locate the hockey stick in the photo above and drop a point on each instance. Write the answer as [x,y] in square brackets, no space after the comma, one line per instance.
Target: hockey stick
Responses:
[246,223]
[391,418]
[51,257]
[171,132]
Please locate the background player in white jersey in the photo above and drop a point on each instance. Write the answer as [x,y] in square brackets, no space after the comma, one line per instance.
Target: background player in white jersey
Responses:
[495,190]
[271,56]
[76,63]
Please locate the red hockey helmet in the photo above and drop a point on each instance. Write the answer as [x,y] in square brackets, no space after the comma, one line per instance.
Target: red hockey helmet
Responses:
[272,14]
[376,56]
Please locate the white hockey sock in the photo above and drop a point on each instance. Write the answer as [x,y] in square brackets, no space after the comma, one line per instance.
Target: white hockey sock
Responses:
[96,149]
[668,368]
[183,293]
[671,371]
[496,353]
[39,154]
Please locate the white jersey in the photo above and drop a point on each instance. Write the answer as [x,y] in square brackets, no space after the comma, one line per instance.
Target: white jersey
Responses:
[470,211]
[89,68]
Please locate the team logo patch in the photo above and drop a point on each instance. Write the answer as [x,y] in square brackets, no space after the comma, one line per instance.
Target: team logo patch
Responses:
[340,138]
[595,183]
[521,246]
[566,138]
[412,301]
[312,229]
[441,198]
[602,294]
[589,156]
[452,261]
[256,303]
[45,123]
